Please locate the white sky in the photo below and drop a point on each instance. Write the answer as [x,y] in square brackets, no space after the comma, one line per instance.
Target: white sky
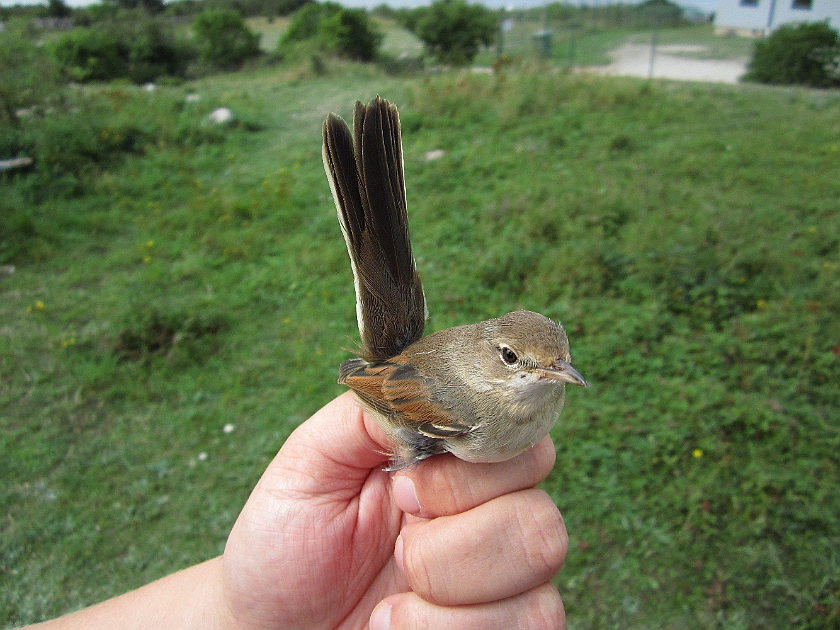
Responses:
[707,5]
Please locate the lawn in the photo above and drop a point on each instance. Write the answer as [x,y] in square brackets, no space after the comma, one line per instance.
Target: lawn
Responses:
[179,304]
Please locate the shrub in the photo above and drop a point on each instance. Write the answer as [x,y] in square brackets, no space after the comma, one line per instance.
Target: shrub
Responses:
[136,47]
[350,33]
[305,24]
[245,8]
[346,32]
[223,38]
[806,54]
[92,54]
[453,31]
[156,51]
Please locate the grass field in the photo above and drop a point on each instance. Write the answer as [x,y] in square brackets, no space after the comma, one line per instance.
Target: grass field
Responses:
[688,236]
[269,30]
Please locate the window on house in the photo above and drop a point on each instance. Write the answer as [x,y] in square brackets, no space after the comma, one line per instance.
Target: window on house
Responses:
[749,3]
[802,4]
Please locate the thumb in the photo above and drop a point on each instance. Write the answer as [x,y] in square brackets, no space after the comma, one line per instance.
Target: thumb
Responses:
[336,448]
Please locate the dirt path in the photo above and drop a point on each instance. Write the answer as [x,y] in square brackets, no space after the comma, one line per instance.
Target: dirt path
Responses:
[634,60]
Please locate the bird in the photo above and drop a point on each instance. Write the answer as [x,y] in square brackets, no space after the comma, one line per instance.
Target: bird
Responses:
[484,392]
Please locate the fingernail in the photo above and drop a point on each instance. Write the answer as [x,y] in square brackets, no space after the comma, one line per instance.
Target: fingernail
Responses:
[405,495]
[380,618]
[398,552]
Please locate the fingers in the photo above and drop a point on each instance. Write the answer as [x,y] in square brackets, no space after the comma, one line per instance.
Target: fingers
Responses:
[540,608]
[446,485]
[497,550]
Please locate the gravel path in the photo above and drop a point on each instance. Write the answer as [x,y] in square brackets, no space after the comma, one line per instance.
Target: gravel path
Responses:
[634,60]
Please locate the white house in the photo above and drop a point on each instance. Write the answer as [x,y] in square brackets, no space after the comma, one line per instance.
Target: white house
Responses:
[760,17]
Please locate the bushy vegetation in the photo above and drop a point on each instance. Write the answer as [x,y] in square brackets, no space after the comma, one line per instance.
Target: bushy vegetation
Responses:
[136,46]
[452,30]
[89,14]
[330,28]
[804,54]
[133,44]
[246,8]
[172,278]
[223,39]
[73,135]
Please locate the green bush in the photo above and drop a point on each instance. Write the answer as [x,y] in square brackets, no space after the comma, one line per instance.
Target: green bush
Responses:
[135,47]
[92,54]
[156,51]
[246,8]
[350,33]
[453,31]
[346,32]
[223,39]
[805,54]
[306,22]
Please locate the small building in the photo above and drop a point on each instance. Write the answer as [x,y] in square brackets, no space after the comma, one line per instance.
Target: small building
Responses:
[761,17]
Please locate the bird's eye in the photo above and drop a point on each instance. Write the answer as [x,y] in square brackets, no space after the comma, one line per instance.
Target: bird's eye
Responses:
[508,355]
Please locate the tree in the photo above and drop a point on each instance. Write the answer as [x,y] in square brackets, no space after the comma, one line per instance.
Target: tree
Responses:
[347,32]
[152,6]
[806,54]
[351,33]
[57,9]
[453,31]
[223,38]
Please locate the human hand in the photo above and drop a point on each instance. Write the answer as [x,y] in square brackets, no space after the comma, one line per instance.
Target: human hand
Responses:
[329,540]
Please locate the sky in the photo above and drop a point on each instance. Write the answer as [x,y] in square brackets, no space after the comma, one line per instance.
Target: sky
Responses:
[706,5]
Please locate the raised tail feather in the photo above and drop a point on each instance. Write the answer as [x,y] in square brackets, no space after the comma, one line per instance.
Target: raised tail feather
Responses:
[367,181]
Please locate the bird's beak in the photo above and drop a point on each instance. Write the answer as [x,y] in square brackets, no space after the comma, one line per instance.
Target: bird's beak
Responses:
[563,372]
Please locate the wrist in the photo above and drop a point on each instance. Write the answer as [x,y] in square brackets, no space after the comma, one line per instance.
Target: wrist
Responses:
[189,599]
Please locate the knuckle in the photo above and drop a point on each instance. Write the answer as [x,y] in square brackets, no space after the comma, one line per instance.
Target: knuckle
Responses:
[417,569]
[544,533]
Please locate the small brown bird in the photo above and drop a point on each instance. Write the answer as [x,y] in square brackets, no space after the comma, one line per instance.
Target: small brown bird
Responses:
[483,392]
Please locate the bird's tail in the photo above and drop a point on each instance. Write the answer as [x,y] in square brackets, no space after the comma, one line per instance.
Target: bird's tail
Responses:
[365,171]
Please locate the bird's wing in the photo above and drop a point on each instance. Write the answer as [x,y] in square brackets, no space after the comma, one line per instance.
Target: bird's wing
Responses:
[398,391]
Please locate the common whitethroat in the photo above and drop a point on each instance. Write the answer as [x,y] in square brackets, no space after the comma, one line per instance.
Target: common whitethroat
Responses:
[483,392]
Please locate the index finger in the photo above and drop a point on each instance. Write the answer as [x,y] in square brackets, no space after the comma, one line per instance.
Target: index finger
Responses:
[445,485]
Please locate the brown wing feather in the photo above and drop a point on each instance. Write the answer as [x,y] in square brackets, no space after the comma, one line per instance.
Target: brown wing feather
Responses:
[398,391]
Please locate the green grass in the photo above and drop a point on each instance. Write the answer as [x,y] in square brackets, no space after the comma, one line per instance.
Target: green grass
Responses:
[270,31]
[714,46]
[397,41]
[591,45]
[686,234]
